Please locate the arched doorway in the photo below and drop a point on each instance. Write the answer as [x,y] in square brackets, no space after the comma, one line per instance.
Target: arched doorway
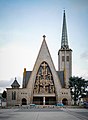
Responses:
[65,101]
[24,101]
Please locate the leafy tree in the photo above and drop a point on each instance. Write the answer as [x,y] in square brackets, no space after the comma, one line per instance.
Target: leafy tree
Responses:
[78,87]
[4,94]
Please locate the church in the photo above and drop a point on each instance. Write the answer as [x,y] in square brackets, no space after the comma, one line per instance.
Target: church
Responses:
[44,85]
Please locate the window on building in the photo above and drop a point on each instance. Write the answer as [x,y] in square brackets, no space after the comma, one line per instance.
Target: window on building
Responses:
[67,58]
[14,95]
[63,58]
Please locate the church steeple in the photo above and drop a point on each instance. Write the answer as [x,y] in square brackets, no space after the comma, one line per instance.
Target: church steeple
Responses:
[64,39]
[65,55]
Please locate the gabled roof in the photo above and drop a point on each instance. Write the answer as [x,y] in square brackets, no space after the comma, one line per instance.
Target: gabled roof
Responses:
[61,77]
[15,84]
[44,55]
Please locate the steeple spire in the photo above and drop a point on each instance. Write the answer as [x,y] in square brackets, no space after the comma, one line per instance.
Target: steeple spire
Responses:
[64,39]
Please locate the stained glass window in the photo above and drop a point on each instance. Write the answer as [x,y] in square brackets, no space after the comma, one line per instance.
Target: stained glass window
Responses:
[44,80]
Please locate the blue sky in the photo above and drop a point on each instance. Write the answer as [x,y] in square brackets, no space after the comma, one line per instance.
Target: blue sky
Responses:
[24,22]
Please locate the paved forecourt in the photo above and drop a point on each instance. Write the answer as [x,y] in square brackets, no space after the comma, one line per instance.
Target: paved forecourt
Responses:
[41,114]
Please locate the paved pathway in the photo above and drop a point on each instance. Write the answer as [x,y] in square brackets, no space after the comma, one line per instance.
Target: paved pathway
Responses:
[44,114]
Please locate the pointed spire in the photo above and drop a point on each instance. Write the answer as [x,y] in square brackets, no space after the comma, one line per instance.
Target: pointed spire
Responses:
[64,39]
[15,84]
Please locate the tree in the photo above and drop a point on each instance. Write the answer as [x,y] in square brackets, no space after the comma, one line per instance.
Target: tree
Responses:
[77,88]
[4,94]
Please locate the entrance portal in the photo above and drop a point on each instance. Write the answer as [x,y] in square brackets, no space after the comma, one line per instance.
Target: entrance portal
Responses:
[50,100]
[24,101]
[38,100]
[44,100]
[65,101]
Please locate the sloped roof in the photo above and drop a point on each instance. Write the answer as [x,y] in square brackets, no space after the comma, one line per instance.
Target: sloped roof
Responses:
[28,74]
[61,77]
[26,78]
[15,84]
[44,56]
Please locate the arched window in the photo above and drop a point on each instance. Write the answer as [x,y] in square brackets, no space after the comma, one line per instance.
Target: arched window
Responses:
[44,82]
[14,95]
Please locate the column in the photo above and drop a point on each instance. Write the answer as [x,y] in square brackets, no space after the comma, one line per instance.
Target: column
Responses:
[43,100]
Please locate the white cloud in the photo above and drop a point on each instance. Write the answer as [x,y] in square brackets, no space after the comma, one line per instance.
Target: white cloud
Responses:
[84,55]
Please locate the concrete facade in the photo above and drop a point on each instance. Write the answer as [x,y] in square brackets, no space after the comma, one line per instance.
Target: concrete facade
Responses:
[27,93]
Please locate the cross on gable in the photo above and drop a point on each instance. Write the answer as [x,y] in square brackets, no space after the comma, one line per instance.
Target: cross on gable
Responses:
[44,37]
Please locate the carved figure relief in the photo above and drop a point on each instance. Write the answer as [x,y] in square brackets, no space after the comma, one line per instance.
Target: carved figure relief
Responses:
[44,80]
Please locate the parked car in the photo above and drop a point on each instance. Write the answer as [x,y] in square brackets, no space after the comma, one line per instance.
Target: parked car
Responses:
[60,104]
[85,104]
[32,105]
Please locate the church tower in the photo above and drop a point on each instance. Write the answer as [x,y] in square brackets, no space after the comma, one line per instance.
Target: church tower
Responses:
[65,54]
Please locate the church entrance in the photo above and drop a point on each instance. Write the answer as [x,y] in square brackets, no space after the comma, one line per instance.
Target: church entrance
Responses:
[24,101]
[44,100]
[65,101]
[50,100]
[38,100]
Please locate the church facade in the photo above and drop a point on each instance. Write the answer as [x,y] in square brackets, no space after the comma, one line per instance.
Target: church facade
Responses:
[44,85]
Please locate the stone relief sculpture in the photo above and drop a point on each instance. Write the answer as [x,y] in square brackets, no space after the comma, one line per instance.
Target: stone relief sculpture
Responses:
[44,83]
